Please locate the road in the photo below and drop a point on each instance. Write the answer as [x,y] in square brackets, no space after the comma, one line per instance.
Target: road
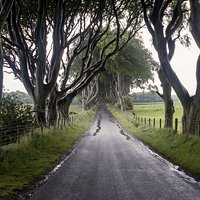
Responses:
[108,164]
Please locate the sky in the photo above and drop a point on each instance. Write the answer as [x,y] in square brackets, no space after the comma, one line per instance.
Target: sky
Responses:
[183,63]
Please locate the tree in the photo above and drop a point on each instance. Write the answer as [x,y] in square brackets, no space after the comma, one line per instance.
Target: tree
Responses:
[13,114]
[163,20]
[90,94]
[97,47]
[132,66]
[5,7]
[73,26]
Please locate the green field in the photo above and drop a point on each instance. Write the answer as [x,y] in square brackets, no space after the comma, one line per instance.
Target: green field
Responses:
[156,110]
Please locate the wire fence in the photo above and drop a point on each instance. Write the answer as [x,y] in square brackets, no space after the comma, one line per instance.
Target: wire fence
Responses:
[15,134]
[159,123]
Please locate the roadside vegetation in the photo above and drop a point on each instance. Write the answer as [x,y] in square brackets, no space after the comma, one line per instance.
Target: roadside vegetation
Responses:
[156,110]
[21,164]
[183,150]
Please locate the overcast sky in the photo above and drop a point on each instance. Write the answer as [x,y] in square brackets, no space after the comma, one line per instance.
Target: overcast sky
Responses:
[183,63]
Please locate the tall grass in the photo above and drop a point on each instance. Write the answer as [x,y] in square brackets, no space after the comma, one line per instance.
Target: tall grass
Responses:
[182,150]
[21,164]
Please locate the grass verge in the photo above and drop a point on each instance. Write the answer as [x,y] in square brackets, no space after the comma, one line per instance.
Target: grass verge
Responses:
[183,150]
[21,164]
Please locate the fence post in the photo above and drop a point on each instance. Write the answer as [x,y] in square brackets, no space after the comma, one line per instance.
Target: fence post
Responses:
[154,122]
[145,120]
[160,123]
[149,121]
[141,119]
[176,125]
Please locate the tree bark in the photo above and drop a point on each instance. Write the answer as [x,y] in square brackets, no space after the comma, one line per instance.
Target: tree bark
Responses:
[52,108]
[40,108]
[5,10]
[1,70]
[168,102]
[120,93]
[64,104]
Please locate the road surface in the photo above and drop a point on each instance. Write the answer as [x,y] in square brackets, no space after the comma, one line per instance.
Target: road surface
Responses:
[108,164]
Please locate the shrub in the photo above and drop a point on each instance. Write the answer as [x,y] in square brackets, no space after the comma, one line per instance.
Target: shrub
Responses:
[128,103]
[13,114]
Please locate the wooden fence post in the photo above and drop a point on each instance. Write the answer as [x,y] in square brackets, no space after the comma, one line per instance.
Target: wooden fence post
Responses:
[160,123]
[149,121]
[154,122]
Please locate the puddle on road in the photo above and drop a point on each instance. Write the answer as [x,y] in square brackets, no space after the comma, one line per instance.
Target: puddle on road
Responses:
[98,127]
[123,133]
[127,136]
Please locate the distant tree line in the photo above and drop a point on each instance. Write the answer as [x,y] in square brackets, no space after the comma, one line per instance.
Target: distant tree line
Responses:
[145,97]
[20,96]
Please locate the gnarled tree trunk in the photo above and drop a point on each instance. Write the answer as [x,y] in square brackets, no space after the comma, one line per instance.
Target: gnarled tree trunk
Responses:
[120,93]
[1,70]
[168,102]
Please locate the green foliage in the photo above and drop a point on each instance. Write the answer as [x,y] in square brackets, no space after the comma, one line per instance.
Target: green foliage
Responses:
[21,96]
[13,114]
[128,103]
[134,61]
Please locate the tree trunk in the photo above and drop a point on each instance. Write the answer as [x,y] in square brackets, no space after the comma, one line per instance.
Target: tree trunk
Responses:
[4,12]
[40,108]
[52,108]
[83,99]
[191,105]
[119,93]
[64,104]
[168,102]
[191,117]
[1,70]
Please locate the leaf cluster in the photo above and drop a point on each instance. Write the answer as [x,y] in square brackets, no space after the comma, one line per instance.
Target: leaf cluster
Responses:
[13,114]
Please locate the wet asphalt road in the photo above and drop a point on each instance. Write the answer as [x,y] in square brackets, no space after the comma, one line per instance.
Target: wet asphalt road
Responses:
[110,165]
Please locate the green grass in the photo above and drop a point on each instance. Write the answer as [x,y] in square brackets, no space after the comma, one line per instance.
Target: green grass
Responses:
[156,111]
[21,164]
[181,149]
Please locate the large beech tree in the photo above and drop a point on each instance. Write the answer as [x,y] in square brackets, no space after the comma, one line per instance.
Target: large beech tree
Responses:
[41,33]
[163,19]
